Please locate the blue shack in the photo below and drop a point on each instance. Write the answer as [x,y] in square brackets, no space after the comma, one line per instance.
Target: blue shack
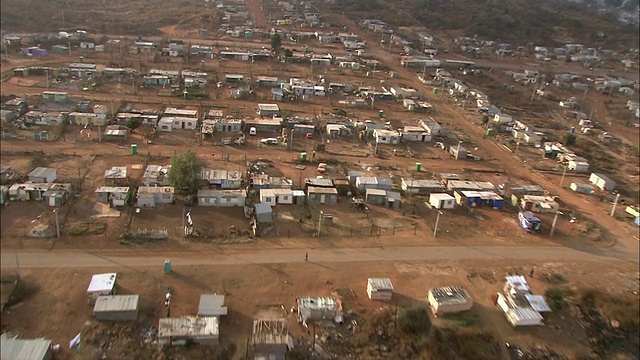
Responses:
[479,198]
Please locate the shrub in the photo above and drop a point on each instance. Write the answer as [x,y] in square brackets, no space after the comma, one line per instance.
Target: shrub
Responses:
[555,299]
[569,139]
[414,321]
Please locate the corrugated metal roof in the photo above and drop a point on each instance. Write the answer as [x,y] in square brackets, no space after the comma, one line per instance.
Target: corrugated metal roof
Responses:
[42,172]
[116,303]
[327,303]
[450,295]
[538,303]
[189,326]
[211,305]
[12,348]
[377,284]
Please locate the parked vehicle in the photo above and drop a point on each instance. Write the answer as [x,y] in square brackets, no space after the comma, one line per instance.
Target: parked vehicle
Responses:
[269,141]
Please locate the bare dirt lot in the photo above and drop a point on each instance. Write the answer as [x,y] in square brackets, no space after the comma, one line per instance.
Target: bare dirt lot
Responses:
[57,308]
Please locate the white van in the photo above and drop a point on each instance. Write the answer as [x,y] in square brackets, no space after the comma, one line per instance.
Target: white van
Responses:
[252,131]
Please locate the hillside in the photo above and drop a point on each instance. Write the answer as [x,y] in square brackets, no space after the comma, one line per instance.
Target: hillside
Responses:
[517,21]
[112,17]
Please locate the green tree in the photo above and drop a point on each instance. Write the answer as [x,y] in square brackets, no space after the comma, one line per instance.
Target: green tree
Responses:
[133,123]
[288,53]
[276,44]
[184,171]
[570,139]
[485,119]
[414,321]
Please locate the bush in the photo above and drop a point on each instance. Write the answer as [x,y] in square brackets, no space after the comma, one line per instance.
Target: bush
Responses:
[414,321]
[569,139]
[555,299]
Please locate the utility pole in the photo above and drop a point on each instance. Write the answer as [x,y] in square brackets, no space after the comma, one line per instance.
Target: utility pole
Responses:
[55,212]
[517,147]
[291,140]
[320,222]
[17,264]
[63,26]
[553,224]
[615,203]
[564,172]
[435,229]
[183,229]
[458,150]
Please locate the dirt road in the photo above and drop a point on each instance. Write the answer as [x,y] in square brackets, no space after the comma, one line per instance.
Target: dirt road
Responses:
[77,259]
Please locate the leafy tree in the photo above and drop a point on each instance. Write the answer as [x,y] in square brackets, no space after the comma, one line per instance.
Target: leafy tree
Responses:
[184,171]
[569,139]
[133,123]
[288,53]
[414,320]
[485,119]
[276,44]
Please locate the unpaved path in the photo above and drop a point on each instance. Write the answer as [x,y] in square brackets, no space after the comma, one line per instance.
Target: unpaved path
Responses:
[76,259]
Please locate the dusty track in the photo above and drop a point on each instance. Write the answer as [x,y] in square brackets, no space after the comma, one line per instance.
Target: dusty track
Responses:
[61,259]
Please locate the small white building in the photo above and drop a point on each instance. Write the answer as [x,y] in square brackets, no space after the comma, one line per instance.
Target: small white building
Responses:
[101,284]
[415,133]
[383,136]
[275,197]
[268,110]
[449,299]
[380,289]
[152,196]
[442,201]
[409,104]
[582,188]
[602,182]
[116,308]
[42,175]
[502,118]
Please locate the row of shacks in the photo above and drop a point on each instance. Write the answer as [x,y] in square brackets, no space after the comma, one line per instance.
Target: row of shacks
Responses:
[270,338]
[202,328]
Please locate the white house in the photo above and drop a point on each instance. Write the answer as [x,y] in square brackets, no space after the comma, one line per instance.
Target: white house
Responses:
[165,124]
[268,110]
[221,198]
[383,136]
[602,181]
[409,104]
[151,196]
[442,201]
[274,197]
[415,133]
[432,127]
[502,118]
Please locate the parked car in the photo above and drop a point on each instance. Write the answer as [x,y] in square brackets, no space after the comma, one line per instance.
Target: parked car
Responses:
[309,135]
[322,167]
[252,131]
[269,141]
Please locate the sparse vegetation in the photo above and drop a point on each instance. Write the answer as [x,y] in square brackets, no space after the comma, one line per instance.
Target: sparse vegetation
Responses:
[569,139]
[555,298]
[414,321]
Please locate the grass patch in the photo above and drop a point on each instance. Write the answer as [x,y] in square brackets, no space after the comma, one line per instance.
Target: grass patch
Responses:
[86,228]
[555,298]
[414,321]
[463,319]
